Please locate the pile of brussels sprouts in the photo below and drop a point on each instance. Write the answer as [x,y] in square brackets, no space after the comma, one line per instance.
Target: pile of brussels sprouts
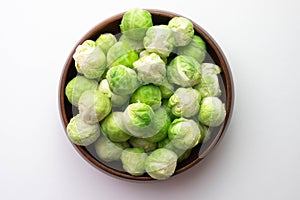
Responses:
[144,97]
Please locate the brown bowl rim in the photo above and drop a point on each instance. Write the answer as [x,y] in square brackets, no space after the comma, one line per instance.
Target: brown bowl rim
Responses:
[228,84]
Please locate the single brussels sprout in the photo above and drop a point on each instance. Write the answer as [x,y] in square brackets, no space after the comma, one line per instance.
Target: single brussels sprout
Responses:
[161,164]
[146,145]
[209,86]
[137,45]
[77,86]
[116,100]
[121,54]
[159,39]
[90,60]
[113,127]
[82,133]
[212,111]
[185,102]
[184,71]
[93,106]
[109,151]
[183,30]
[135,23]
[148,94]
[196,49]
[122,80]
[151,69]
[138,120]
[133,161]
[205,133]
[161,122]
[105,41]
[166,89]
[184,133]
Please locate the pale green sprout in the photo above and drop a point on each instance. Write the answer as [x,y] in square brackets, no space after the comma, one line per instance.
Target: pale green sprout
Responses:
[90,60]
[209,68]
[82,133]
[122,80]
[105,41]
[185,102]
[113,127]
[161,123]
[184,71]
[138,119]
[161,164]
[133,161]
[212,111]
[137,45]
[159,39]
[148,94]
[184,133]
[77,86]
[146,145]
[121,54]
[147,53]
[150,69]
[109,151]
[93,106]
[183,30]
[196,49]
[135,23]
[116,100]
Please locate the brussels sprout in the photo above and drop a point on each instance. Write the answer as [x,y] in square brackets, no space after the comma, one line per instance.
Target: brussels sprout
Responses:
[108,150]
[93,106]
[184,133]
[151,69]
[184,71]
[161,122]
[212,111]
[209,86]
[146,145]
[77,86]
[183,30]
[166,89]
[138,120]
[185,102]
[116,100]
[90,60]
[113,128]
[159,40]
[121,54]
[133,161]
[122,80]
[196,49]
[105,41]
[137,45]
[148,94]
[81,133]
[161,164]
[135,23]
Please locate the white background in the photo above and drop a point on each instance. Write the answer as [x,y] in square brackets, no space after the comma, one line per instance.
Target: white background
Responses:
[259,157]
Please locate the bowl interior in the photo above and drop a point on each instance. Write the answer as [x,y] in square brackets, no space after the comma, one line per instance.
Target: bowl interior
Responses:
[214,55]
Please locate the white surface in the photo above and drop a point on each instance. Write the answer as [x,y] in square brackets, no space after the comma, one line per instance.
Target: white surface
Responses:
[259,157]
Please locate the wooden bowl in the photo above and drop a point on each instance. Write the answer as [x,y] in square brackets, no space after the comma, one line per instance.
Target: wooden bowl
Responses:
[214,55]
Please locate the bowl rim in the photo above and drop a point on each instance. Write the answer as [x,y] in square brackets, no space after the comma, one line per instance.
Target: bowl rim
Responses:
[228,82]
